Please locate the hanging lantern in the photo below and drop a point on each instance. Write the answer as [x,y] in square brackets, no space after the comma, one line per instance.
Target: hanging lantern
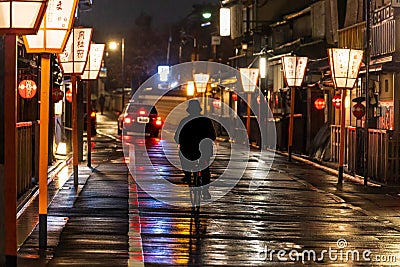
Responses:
[337,101]
[55,28]
[27,88]
[21,16]
[234,97]
[57,95]
[68,95]
[319,103]
[93,64]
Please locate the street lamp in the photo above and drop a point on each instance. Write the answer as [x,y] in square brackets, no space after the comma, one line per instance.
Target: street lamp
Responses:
[114,46]
[293,69]
[73,61]
[16,18]
[91,72]
[249,77]
[345,65]
[51,38]
[201,81]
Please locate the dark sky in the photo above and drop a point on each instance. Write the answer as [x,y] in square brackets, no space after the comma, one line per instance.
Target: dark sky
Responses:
[119,15]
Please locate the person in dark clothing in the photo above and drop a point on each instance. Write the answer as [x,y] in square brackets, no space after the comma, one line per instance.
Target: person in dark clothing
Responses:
[102,100]
[194,135]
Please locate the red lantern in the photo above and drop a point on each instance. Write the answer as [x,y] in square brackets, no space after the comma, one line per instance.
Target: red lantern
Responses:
[27,89]
[234,97]
[358,110]
[319,103]
[68,95]
[337,101]
[57,94]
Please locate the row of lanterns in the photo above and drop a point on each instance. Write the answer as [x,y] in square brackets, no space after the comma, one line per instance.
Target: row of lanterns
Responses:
[358,109]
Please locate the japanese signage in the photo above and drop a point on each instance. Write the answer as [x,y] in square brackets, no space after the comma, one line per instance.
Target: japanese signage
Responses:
[93,65]
[249,78]
[27,88]
[54,29]
[294,69]
[73,59]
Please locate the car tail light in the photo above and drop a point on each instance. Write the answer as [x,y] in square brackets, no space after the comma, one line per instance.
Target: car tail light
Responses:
[93,114]
[159,121]
[127,120]
[142,112]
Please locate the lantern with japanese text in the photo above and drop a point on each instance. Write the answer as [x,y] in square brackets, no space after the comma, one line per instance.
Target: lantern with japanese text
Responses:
[249,78]
[27,88]
[74,57]
[336,101]
[319,103]
[93,65]
[55,28]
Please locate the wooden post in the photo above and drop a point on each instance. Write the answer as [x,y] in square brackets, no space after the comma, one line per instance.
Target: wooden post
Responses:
[248,115]
[43,148]
[88,125]
[291,120]
[10,148]
[75,161]
[342,137]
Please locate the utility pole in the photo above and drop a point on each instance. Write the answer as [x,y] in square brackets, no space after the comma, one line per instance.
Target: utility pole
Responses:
[367,60]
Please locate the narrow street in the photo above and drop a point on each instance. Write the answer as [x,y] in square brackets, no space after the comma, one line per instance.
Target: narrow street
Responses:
[296,216]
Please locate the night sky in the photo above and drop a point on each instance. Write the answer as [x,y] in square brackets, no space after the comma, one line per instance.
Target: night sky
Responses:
[116,16]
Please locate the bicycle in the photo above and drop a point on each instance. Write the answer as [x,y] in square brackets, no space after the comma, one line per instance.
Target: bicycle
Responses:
[195,187]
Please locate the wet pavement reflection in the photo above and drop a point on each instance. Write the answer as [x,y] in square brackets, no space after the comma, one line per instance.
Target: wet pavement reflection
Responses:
[250,228]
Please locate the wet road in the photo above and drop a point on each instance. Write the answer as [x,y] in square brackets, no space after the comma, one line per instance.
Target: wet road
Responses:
[297,216]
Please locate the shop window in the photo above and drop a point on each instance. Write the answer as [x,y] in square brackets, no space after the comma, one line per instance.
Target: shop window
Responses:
[386,121]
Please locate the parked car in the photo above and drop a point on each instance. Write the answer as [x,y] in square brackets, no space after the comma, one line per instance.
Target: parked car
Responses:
[138,117]
[93,122]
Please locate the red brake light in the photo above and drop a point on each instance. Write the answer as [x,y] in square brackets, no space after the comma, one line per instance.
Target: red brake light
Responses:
[93,114]
[142,112]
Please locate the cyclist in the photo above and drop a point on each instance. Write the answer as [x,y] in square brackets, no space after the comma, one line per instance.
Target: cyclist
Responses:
[194,135]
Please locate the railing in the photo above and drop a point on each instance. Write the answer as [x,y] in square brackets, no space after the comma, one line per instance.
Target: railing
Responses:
[352,36]
[383,153]
[27,155]
[335,143]
[382,38]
